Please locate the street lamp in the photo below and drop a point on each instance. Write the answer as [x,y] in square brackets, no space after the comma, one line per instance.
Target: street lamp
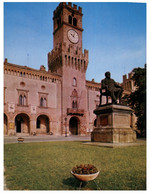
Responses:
[65,126]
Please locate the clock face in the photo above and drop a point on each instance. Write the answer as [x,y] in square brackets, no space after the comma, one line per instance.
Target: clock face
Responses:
[73,36]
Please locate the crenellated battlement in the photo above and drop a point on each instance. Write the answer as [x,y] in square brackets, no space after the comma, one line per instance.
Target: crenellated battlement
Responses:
[67,49]
[67,6]
[128,83]
[55,52]
[68,56]
[30,73]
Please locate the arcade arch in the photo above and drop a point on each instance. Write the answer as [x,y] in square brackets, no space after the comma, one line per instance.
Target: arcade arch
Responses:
[22,123]
[42,124]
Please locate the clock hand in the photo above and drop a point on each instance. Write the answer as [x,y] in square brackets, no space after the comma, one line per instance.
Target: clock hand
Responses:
[72,35]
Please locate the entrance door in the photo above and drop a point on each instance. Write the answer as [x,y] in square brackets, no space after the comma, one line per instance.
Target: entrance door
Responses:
[18,130]
[73,126]
[19,120]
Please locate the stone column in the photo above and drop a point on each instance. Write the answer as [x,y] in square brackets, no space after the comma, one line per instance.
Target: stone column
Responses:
[32,126]
[11,127]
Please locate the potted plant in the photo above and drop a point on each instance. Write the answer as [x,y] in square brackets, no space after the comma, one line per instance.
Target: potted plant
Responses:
[85,172]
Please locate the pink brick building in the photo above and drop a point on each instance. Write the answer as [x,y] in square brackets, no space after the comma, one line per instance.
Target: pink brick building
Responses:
[59,101]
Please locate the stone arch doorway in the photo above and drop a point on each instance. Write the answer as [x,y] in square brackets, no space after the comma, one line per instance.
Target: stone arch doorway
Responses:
[5,124]
[74,126]
[22,123]
[42,124]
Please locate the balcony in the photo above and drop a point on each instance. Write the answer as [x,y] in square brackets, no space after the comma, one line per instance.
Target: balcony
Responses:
[75,111]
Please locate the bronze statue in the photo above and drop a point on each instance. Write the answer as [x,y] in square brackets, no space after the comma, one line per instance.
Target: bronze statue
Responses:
[112,89]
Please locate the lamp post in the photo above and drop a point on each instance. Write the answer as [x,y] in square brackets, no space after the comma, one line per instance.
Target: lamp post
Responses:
[65,126]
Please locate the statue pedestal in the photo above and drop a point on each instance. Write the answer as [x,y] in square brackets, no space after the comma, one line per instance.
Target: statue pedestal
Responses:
[113,124]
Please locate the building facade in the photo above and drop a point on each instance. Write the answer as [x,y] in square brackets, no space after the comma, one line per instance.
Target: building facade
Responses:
[59,101]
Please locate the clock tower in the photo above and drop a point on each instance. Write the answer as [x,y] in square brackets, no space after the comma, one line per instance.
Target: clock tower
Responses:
[68,60]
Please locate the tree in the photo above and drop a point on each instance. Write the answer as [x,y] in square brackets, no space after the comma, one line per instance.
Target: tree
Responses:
[137,99]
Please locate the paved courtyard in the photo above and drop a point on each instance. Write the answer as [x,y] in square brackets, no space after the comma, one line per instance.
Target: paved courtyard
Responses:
[46,138]
[86,139]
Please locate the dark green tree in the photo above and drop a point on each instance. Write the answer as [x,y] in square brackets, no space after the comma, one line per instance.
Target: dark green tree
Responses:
[137,99]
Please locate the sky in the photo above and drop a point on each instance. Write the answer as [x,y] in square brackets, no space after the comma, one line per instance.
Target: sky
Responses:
[114,34]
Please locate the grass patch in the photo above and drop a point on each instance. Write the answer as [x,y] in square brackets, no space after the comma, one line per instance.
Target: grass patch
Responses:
[47,166]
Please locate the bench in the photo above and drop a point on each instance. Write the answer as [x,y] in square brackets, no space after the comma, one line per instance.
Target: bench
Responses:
[20,139]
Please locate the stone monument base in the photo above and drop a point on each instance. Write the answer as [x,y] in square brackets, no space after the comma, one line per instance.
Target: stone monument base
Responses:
[113,124]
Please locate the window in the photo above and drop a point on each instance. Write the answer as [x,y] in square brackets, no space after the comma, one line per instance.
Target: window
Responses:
[43,102]
[74,99]
[22,100]
[74,104]
[74,21]
[22,96]
[70,19]
[74,81]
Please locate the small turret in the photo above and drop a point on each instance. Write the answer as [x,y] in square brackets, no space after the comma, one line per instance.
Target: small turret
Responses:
[42,68]
[5,61]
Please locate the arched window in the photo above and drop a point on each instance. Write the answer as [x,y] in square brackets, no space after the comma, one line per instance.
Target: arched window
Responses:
[74,104]
[74,21]
[70,19]
[44,102]
[74,81]
[24,100]
[41,102]
[20,100]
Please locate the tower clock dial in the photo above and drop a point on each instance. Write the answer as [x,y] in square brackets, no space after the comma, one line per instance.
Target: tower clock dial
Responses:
[73,36]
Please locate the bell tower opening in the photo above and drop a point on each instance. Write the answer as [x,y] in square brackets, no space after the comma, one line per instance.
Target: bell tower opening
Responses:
[67,39]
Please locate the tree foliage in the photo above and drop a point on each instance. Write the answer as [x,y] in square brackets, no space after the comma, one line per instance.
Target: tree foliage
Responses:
[137,99]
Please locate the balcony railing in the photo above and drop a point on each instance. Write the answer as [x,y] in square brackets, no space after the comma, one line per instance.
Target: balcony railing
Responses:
[75,111]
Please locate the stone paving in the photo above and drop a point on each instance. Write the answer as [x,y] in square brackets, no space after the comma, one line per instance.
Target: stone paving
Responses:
[115,145]
[46,138]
